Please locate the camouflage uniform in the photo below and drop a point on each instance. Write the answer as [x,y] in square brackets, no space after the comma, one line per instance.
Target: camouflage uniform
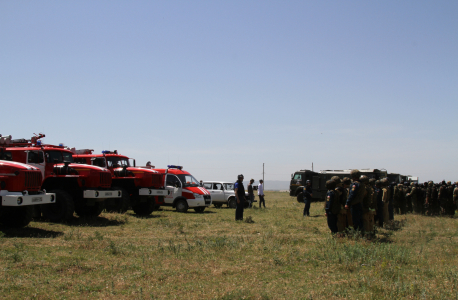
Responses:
[455,194]
[451,203]
[399,199]
[341,194]
[355,200]
[407,190]
[386,200]
[443,199]
[431,199]
[368,216]
[415,199]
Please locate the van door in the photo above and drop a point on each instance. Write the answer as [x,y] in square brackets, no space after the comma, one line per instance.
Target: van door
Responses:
[173,184]
[36,158]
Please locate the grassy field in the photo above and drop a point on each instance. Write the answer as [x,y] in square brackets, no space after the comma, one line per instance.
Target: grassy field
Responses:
[280,255]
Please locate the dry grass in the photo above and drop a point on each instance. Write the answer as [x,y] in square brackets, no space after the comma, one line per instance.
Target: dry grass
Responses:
[280,255]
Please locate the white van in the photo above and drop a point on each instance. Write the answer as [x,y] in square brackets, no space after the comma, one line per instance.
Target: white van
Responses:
[222,192]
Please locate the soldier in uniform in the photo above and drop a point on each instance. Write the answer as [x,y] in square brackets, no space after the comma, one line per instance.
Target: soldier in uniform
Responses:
[413,195]
[368,217]
[355,199]
[391,200]
[443,199]
[451,204]
[374,195]
[399,199]
[379,208]
[341,195]
[431,199]
[407,189]
[386,199]
[332,206]
[424,187]
[455,194]
[346,185]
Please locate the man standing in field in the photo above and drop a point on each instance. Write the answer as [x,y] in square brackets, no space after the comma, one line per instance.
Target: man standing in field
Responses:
[240,195]
[307,197]
[355,200]
[250,192]
[261,193]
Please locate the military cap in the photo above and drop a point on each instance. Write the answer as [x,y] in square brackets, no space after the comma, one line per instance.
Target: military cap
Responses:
[346,180]
[449,183]
[364,179]
[431,183]
[412,184]
[372,180]
[377,182]
[355,173]
[336,179]
[330,184]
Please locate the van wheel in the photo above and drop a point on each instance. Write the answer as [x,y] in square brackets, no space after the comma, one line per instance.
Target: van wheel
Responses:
[144,208]
[181,206]
[16,216]
[61,210]
[232,203]
[118,205]
[199,209]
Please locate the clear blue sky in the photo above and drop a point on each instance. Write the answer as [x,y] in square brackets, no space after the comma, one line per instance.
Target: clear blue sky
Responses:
[222,87]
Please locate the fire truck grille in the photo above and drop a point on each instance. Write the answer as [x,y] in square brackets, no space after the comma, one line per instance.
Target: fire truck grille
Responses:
[105,178]
[32,179]
[157,180]
[207,199]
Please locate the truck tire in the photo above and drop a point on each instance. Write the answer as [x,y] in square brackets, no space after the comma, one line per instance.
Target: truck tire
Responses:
[144,208]
[199,209]
[84,210]
[181,205]
[118,205]
[300,197]
[61,210]
[16,216]
[232,203]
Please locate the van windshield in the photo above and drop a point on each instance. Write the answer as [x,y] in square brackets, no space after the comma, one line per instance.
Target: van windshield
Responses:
[188,180]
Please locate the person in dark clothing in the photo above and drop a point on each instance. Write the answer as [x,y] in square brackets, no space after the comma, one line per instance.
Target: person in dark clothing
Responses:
[250,192]
[308,194]
[240,195]
[355,200]
[379,204]
[332,206]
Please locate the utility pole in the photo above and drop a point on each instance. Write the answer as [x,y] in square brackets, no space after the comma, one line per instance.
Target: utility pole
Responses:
[312,166]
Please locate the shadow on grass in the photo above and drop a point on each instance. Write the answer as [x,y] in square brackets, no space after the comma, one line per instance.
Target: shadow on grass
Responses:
[29,232]
[152,216]
[90,221]
[197,213]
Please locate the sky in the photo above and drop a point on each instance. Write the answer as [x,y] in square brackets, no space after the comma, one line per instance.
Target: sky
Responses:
[223,87]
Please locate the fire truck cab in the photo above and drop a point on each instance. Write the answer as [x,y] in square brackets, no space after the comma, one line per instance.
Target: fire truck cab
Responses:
[78,188]
[142,189]
[185,191]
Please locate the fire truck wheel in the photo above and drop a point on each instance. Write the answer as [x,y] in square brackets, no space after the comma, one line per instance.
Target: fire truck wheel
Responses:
[61,210]
[144,208]
[181,205]
[16,216]
[199,209]
[232,203]
[118,205]
[300,197]
[217,205]
[84,210]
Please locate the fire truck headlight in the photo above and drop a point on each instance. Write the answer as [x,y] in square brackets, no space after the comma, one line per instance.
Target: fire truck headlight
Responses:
[96,193]
[19,200]
[198,196]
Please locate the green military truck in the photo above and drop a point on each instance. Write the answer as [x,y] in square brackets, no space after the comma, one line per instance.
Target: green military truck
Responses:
[318,180]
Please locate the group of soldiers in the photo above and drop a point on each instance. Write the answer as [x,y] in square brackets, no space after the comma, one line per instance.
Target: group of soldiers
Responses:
[359,202]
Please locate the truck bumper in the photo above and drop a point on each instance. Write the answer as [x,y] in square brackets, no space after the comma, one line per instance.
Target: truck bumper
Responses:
[97,194]
[22,200]
[152,192]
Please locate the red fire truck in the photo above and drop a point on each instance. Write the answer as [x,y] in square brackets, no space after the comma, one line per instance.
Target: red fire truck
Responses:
[185,191]
[20,190]
[143,189]
[79,188]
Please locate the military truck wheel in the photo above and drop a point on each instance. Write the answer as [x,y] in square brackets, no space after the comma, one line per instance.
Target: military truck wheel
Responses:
[232,203]
[199,209]
[84,210]
[61,210]
[16,216]
[300,197]
[217,205]
[181,206]
[144,208]
[118,205]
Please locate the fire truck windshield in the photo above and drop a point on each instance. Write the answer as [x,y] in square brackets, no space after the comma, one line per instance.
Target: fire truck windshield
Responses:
[58,157]
[188,180]
[117,162]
